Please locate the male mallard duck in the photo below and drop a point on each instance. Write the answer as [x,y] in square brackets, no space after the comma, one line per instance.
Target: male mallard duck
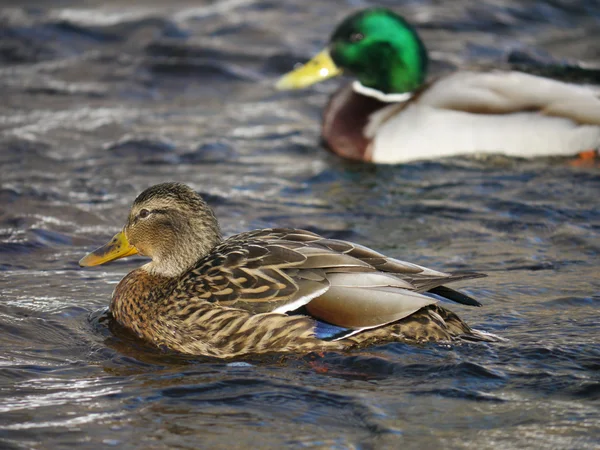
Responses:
[393,115]
[266,290]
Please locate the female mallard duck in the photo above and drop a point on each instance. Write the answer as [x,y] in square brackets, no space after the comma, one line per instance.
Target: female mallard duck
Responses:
[266,290]
[392,115]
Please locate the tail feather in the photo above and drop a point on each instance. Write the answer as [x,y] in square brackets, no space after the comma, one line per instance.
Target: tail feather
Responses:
[459,329]
[425,283]
[455,296]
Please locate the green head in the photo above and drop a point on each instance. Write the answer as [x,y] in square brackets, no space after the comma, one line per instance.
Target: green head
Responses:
[377,46]
[381,49]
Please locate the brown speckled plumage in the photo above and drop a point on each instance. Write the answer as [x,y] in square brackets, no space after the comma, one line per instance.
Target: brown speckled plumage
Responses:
[243,294]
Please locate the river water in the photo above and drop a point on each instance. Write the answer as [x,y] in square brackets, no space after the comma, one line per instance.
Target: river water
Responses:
[101,99]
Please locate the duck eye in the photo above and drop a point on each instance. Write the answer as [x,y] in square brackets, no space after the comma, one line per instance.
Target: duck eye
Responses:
[144,213]
[356,37]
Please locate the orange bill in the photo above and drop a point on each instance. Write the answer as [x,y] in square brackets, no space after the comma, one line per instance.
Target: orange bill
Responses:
[118,247]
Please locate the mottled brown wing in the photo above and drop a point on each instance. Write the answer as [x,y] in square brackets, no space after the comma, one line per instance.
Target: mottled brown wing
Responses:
[274,270]
[421,279]
[414,277]
[278,270]
[251,274]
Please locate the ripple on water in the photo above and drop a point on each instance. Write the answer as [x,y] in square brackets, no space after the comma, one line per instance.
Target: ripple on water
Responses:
[100,102]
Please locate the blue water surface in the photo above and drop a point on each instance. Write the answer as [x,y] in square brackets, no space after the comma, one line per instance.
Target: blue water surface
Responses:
[101,99]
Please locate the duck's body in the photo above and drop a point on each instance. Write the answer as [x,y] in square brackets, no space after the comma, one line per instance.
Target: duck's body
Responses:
[467,113]
[393,115]
[273,290]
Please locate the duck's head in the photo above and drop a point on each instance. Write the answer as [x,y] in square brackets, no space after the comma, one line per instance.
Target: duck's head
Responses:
[377,46]
[169,223]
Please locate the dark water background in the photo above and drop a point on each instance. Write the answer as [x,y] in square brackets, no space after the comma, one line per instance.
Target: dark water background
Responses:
[101,99]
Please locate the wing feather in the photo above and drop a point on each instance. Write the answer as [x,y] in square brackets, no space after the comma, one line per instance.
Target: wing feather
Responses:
[507,92]
[280,270]
[366,303]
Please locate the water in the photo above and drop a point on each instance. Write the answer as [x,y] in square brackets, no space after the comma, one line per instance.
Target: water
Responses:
[102,99]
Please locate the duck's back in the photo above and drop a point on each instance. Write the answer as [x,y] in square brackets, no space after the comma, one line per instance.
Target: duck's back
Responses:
[345,284]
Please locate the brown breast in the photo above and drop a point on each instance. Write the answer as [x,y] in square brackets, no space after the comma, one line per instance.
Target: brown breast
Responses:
[134,301]
[344,120]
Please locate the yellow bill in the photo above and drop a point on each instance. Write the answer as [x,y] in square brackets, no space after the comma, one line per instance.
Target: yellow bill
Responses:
[317,69]
[118,247]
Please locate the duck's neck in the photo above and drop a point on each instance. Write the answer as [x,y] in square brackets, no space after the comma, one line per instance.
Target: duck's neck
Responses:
[391,74]
[172,266]
[378,95]
[181,249]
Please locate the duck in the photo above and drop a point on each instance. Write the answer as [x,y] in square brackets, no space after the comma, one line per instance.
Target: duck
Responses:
[393,113]
[267,290]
